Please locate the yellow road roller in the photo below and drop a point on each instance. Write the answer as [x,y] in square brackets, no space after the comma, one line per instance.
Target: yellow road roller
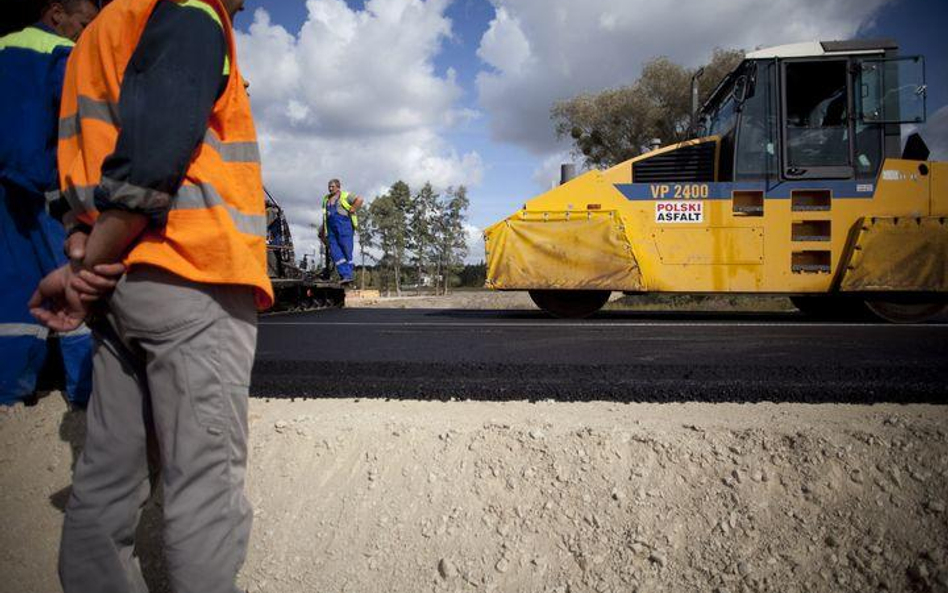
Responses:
[797,183]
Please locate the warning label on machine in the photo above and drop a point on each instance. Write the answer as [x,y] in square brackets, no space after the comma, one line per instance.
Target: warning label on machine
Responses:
[679,211]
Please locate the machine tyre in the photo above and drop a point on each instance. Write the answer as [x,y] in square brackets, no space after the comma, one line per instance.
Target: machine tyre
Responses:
[896,312]
[570,304]
[831,307]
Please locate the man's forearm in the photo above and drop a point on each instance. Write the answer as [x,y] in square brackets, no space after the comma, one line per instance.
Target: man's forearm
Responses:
[113,232]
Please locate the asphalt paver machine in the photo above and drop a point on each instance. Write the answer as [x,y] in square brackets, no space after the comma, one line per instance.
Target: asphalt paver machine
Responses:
[297,287]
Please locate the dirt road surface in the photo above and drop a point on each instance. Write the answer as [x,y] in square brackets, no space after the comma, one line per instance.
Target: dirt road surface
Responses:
[410,496]
[413,496]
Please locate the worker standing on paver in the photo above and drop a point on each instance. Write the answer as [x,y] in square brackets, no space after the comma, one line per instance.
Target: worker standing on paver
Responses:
[158,155]
[32,64]
[339,225]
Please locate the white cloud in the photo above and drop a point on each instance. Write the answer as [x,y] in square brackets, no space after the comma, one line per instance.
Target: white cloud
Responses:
[353,94]
[474,237]
[504,46]
[558,48]
[547,175]
[608,21]
[935,134]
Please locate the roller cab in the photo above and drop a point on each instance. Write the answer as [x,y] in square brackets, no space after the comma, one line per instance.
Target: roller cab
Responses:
[796,183]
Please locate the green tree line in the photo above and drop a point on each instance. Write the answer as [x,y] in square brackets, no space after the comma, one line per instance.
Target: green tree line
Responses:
[418,238]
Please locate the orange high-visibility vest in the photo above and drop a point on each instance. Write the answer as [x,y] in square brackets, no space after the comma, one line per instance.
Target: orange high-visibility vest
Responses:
[216,228]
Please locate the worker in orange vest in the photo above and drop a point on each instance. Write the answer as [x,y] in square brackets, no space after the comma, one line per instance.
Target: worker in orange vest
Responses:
[159,162]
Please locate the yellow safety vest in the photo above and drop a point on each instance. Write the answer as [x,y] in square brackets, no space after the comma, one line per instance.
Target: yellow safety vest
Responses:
[344,201]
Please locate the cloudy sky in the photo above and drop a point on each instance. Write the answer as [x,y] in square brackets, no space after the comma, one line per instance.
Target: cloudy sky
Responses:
[459,91]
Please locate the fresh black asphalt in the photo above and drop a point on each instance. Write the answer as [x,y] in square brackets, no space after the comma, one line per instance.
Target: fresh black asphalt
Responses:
[618,356]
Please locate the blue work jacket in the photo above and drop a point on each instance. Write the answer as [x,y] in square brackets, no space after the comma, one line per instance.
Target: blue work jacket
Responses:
[32,66]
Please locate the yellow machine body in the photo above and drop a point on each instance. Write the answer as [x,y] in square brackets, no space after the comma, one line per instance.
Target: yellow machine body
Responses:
[603,231]
[797,184]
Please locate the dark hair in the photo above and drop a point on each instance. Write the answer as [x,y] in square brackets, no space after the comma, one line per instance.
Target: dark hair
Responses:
[336,181]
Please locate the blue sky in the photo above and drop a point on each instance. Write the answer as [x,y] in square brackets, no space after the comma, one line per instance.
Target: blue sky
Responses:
[509,179]
[494,69]
[919,27]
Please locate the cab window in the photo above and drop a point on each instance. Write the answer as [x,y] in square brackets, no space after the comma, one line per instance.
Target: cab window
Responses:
[816,119]
[757,131]
[722,122]
[868,155]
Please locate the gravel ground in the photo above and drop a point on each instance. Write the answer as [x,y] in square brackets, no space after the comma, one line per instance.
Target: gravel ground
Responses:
[507,300]
[468,299]
[410,496]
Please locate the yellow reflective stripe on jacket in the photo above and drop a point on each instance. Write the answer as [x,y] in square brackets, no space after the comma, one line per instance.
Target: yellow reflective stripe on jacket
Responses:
[35,39]
[206,8]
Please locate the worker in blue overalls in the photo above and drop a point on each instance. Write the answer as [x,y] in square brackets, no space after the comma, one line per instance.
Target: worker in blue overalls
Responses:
[339,225]
[32,66]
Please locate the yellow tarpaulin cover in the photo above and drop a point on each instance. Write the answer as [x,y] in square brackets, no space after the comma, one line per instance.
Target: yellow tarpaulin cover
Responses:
[581,250]
[899,254]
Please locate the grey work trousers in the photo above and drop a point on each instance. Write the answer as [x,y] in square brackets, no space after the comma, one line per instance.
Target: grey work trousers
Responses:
[171,370]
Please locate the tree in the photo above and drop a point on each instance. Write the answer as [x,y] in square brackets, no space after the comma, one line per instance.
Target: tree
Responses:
[615,125]
[390,228]
[420,228]
[367,237]
[449,237]
[429,227]
[473,274]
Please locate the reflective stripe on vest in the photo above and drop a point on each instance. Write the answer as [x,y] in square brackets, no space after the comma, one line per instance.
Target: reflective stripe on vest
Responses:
[216,226]
[189,197]
[103,111]
[34,39]
[344,201]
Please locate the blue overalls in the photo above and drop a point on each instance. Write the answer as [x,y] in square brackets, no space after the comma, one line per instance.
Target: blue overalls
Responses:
[339,234]
[32,65]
